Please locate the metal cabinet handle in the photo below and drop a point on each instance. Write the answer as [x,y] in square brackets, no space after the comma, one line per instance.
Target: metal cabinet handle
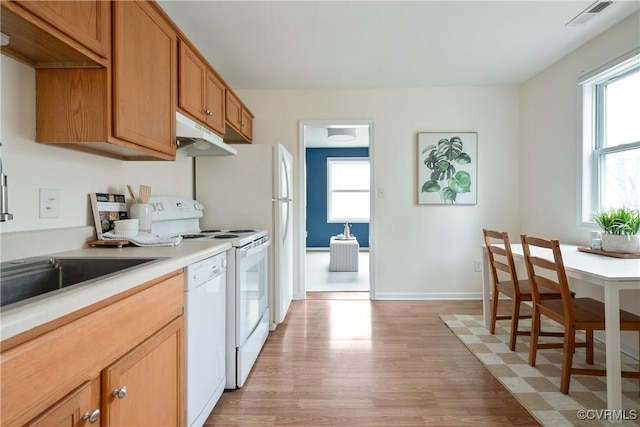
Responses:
[121,393]
[208,112]
[92,417]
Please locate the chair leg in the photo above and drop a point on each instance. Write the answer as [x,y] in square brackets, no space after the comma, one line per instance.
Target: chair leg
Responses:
[589,336]
[494,310]
[515,316]
[535,331]
[567,359]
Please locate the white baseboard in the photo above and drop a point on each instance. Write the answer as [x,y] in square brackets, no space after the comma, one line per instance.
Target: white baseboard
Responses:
[427,296]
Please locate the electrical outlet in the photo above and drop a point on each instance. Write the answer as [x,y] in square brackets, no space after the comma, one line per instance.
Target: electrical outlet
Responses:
[380,193]
[477,265]
[49,203]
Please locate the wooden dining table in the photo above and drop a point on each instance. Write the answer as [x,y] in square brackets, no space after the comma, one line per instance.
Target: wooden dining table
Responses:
[612,274]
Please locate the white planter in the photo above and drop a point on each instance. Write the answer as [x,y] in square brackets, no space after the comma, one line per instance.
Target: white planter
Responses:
[621,243]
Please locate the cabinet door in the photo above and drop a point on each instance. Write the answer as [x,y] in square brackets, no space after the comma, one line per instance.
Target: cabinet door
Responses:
[87,22]
[215,111]
[191,90]
[79,408]
[146,386]
[233,110]
[144,76]
[246,124]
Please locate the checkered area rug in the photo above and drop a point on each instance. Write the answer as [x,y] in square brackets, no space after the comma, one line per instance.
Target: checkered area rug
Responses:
[538,388]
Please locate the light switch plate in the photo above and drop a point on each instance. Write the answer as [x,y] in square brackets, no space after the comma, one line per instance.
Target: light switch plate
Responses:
[49,203]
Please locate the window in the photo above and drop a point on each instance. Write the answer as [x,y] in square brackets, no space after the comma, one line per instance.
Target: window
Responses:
[611,136]
[348,191]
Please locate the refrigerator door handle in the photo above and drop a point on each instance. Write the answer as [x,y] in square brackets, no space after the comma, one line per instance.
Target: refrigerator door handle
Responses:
[282,199]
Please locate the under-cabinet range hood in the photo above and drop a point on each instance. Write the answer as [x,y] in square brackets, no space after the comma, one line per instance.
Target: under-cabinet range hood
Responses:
[197,141]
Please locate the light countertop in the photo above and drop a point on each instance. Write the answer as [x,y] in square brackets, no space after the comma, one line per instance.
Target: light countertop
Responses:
[43,309]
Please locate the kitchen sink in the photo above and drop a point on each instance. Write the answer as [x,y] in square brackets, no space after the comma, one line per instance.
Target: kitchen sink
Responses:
[28,278]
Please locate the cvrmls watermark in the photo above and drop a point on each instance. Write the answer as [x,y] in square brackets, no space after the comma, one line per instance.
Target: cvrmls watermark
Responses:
[608,414]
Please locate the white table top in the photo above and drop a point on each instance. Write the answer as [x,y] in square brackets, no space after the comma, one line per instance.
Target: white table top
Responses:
[594,265]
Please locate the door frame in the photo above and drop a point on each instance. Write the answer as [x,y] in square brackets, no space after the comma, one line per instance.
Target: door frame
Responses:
[299,291]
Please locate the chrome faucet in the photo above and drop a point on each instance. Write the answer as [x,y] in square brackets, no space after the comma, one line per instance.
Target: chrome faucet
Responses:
[4,200]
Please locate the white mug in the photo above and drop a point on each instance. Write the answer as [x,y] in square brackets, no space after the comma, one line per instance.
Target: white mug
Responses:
[142,211]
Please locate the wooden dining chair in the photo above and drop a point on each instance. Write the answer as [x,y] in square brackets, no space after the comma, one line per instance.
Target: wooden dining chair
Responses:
[519,290]
[574,314]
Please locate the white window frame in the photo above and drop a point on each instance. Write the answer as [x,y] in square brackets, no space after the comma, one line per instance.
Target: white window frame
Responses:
[331,160]
[591,153]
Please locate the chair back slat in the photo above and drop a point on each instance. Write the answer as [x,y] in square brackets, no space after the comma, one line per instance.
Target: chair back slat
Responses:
[502,266]
[542,281]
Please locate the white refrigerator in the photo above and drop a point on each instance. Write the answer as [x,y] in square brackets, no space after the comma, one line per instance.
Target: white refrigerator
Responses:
[254,189]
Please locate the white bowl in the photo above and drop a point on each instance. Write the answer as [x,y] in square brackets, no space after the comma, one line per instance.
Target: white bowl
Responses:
[126,223]
[128,232]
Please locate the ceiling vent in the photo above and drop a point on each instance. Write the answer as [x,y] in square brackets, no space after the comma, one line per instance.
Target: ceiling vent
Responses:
[589,13]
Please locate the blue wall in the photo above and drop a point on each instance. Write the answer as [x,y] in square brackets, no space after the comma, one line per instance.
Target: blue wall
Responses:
[319,231]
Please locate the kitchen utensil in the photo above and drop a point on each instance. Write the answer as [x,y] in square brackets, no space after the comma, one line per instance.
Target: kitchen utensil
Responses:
[132,194]
[145,193]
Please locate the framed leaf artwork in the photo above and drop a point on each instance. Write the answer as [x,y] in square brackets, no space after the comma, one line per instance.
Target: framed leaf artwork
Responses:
[447,168]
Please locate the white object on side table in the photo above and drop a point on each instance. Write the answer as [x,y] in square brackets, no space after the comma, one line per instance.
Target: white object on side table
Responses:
[343,254]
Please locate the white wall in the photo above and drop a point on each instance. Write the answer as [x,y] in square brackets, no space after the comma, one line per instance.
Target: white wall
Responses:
[421,251]
[549,117]
[549,113]
[31,166]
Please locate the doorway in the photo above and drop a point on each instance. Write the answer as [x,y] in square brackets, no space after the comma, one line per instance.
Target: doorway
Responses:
[335,188]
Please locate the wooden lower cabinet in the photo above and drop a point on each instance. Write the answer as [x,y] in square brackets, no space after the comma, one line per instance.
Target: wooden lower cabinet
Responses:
[133,345]
[145,386]
[79,407]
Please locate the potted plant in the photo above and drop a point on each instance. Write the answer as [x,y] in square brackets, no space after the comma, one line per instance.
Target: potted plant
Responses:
[621,229]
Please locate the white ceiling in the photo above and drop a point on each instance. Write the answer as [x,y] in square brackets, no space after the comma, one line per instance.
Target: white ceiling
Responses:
[386,44]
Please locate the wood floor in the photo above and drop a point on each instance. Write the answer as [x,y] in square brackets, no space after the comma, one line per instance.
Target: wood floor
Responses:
[343,360]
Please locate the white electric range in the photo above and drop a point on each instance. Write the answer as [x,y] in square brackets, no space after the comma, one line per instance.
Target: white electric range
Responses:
[247,317]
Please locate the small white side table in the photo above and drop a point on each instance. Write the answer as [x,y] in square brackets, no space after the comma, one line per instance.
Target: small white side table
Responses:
[343,254]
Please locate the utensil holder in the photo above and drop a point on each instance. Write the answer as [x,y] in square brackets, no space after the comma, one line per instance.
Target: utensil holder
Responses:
[141,211]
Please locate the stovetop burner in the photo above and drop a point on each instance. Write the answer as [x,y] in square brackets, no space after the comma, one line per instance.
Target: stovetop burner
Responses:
[193,236]
[242,231]
[225,236]
[211,231]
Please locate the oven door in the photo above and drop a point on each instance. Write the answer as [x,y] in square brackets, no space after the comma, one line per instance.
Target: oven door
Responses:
[252,277]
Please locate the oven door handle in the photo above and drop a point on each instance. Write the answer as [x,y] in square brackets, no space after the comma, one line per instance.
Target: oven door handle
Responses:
[254,250]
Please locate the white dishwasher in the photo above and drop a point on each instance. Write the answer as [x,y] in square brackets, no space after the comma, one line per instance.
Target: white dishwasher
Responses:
[205,324]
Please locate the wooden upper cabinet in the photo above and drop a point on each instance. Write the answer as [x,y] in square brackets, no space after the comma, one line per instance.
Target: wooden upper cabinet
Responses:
[246,121]
[239,119]
[215,102]
[56,34]
[200,91]
[125,111]
[84,21]
[191,88]
[144,76]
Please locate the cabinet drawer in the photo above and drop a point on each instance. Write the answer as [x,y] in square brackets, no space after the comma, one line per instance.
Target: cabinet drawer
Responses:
[37,373]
